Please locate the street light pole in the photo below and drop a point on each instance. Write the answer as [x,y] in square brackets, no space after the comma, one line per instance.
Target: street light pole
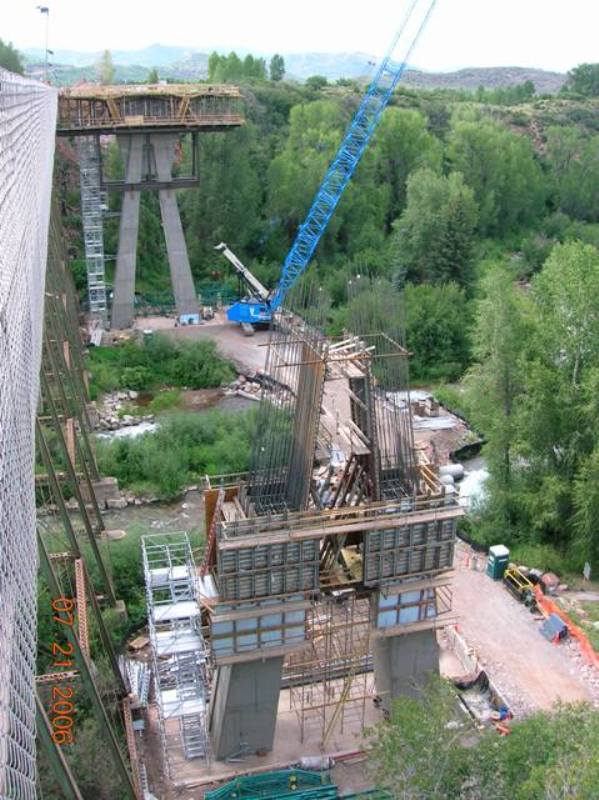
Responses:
[46,11]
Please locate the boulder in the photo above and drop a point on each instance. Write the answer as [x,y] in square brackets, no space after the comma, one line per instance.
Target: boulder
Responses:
[116,503]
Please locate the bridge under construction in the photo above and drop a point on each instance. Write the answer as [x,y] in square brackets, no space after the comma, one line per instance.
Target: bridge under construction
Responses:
[326,570]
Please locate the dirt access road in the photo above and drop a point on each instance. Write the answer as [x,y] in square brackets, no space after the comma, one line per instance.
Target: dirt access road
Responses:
[531,672]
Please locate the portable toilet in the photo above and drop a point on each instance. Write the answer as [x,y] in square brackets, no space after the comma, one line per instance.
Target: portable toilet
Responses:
[497,564]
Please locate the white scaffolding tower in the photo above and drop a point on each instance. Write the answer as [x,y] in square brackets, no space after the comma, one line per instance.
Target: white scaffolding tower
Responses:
[178,648]
[92,202]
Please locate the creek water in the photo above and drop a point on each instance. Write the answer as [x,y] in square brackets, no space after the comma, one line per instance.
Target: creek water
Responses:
[472,486]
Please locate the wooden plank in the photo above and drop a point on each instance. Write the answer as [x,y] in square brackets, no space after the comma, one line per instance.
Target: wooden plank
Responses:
[229,511]
[82,626]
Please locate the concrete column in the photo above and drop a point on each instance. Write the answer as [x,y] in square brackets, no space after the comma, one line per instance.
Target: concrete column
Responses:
[124,283]
[244,707]
[404,663]
[183,288]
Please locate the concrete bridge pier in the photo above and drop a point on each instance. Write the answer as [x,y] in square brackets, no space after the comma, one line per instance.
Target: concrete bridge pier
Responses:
[149,158]
[186,301]
[132,148]
[404,663]
[244,707]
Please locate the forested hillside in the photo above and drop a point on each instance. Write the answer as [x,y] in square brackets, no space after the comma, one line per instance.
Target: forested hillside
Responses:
[484,209]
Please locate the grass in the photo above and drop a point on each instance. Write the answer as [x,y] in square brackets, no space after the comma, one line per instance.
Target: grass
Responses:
[586,623]
[544,557]
[164,400]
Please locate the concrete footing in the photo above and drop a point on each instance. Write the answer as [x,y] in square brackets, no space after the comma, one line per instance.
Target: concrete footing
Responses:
[244,707]
[404,663]
[105,489]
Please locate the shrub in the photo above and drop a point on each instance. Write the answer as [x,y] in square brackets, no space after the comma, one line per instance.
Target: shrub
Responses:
[163,401]
[157,361]
[185,447]
[199,366]
[137,378]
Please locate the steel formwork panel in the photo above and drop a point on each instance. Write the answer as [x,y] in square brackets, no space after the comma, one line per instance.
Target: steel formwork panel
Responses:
[268,570]
[409,550]
[263,625]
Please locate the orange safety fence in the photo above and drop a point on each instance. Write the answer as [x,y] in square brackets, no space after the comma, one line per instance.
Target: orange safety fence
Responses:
[548,607]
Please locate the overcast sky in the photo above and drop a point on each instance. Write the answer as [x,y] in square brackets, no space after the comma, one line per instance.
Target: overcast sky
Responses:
[551,34]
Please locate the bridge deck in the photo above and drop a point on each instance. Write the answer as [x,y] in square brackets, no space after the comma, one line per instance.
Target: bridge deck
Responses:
[97,109]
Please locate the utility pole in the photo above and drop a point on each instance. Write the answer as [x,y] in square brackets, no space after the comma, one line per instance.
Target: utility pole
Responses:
[45,10]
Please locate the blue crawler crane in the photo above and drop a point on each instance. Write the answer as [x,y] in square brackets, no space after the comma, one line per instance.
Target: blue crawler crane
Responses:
[260,304]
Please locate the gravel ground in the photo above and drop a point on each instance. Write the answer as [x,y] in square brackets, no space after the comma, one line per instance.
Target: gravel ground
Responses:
[531,672]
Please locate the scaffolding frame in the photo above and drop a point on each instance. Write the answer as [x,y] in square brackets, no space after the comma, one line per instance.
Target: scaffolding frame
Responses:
[331,682]
[180,662]
[92,201]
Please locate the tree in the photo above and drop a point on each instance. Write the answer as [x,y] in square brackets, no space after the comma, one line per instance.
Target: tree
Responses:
[153,76]
[575,163]
[434,237]
[10,58]
[315,131]
[437,331]
[502,170]
[277,68]
[414,754]
[402,144]
[584,79]
[495,385]
[226,207]
[106,69]
[566,294]
[232,68]
[316,82]
[213,63]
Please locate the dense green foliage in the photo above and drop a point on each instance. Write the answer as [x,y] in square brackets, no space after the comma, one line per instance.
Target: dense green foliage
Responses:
[584,79]
[534,395]
[156,362]
[231,68]
[276,68]
[434,238]
[106,69]
[183,449]
[10,58]
[550,755]
[506,96]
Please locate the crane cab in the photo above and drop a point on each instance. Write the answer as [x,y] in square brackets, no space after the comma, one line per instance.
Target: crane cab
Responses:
[250,311]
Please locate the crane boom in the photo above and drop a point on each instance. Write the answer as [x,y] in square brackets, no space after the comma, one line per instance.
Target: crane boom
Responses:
[352,148]
[261,290]
[262,305]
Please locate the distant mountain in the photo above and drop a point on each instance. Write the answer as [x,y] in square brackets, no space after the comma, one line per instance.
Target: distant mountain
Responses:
[189,63]
[156,55]
[490,77]
[331,65]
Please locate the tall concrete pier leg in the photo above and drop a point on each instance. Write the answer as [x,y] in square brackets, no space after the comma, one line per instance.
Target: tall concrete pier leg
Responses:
[183,288]
[404,663]
[124,283]
[244,707]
